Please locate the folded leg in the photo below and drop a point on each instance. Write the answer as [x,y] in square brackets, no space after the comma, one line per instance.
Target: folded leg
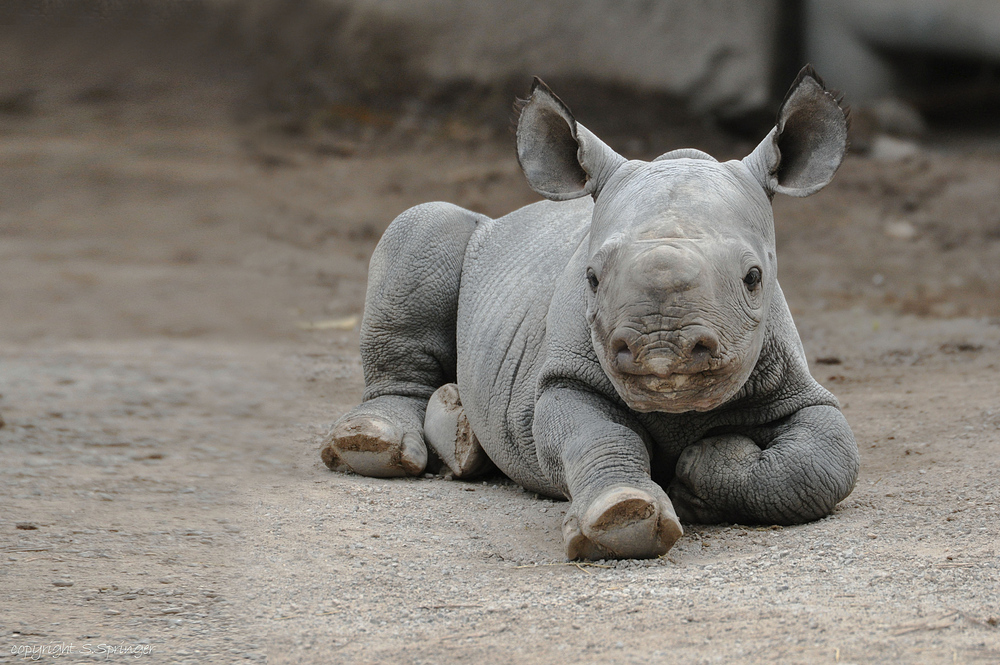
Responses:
[793,471]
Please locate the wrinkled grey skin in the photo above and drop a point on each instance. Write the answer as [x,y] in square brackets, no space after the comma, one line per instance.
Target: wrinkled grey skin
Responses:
[625,345]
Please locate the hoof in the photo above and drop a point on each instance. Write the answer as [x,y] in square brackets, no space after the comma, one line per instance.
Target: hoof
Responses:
[448,433]
[374,447]
[623,523]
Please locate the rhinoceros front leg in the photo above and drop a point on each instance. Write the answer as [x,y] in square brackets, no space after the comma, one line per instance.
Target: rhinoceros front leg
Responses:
[803,466]
[594,451]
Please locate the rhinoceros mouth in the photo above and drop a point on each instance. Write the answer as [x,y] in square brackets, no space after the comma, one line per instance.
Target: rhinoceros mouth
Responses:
[670,382]
[677,392]
[679,377]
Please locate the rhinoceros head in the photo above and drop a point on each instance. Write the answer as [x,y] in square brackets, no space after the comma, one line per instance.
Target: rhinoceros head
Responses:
[681,268]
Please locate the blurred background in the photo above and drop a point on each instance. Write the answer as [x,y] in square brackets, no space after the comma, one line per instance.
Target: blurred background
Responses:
[161,156]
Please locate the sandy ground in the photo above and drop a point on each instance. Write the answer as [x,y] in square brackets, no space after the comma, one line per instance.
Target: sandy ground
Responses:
[179,303]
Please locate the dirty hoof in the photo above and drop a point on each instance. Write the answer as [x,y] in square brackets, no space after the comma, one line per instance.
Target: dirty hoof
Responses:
[622,523]
[448,433]
[372,446]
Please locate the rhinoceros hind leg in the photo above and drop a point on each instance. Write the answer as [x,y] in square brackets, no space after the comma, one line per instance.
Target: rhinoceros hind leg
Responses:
[622,523]
[407,341]
[379,438]
[449,434]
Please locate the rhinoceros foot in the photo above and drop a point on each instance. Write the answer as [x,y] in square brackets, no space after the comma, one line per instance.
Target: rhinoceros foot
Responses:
[373,446]
[449,434]
[622,523]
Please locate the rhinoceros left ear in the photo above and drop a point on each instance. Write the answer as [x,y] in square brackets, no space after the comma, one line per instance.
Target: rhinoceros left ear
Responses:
[808,143]
[561,158]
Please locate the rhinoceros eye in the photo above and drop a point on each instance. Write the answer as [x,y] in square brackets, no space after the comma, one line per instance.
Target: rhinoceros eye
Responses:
[752,279]
[592,280]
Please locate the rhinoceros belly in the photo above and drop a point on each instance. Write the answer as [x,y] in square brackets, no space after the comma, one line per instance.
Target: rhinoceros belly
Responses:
[509,274]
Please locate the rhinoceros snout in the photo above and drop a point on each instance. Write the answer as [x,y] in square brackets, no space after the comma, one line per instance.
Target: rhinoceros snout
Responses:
[689,351]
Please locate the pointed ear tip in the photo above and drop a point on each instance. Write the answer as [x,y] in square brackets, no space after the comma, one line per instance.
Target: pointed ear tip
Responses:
[808,71]
[538,84]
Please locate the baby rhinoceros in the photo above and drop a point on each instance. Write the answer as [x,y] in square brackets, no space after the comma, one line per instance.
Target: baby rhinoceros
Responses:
[624,345]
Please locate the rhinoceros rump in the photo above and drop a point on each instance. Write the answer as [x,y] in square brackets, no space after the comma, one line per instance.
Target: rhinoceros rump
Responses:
[624,345]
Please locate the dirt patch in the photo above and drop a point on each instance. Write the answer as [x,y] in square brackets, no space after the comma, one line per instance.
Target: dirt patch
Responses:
[630,510]
[172,351]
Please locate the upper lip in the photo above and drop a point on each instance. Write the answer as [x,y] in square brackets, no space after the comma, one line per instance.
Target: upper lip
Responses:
[651,397]
[688,375]
[665,367]
[667,375]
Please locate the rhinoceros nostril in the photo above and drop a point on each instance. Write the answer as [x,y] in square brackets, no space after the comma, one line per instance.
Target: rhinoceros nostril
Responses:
[703,348]
[622,354]
[625,358]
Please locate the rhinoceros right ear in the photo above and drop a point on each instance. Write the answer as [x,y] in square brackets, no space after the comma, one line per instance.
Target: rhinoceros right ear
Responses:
[561,158]
[808,143]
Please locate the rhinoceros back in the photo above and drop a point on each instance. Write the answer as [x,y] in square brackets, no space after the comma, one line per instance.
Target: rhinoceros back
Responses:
[511,267]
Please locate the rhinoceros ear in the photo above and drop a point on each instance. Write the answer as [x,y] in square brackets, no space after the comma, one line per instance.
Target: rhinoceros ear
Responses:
[808,143]
[561,158]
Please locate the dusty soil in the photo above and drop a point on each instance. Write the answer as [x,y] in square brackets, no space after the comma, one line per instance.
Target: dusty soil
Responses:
[179,304]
